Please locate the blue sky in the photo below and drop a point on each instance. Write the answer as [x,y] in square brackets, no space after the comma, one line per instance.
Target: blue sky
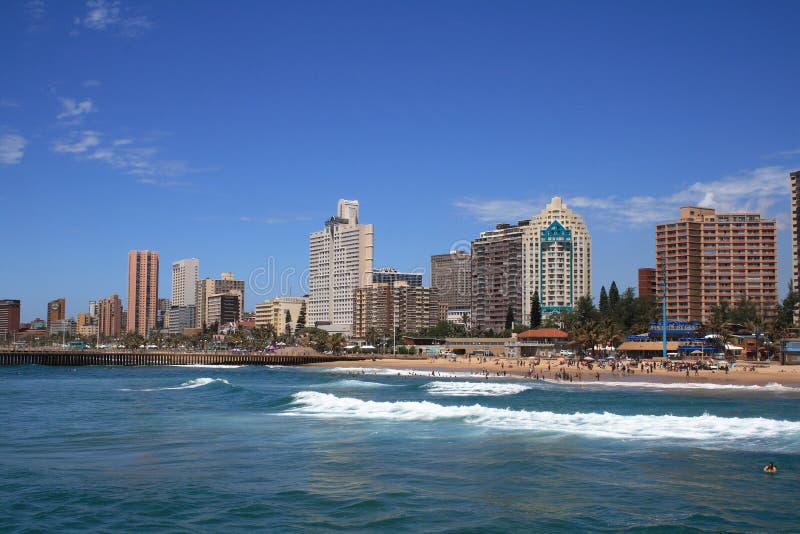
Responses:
[229,134]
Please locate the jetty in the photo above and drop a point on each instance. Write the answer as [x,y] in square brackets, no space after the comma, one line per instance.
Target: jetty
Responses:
[142,357]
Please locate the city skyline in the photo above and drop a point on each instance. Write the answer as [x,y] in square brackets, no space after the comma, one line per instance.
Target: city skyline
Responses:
[232,148]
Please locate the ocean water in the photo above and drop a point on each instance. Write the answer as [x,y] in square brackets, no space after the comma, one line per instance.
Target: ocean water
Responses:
[209,449]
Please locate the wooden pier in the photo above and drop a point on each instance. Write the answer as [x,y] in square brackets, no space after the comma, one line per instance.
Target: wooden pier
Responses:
[74,358]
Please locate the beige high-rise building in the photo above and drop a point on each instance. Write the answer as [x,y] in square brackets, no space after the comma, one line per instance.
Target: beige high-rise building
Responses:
[712,257]
[109,314]
[185,275]
[208,287]
[386,309]
[273,312]
[556,259]
[340,260]
[142,291]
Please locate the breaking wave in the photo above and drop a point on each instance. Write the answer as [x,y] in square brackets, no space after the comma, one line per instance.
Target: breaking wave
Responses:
[704,430]
[470,389]
[189,384]
[772,386]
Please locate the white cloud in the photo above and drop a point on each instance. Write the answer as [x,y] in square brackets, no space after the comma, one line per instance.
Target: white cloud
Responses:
[73,108]
[784,154]
[756,190]
[162,183]
[500,210]
[122,142]
[12,148]
[111,15]
[91,83]
[78,143]
[8,103]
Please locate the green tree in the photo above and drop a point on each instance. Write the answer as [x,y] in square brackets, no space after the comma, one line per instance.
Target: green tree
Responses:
[603,304]
[584,310]
[613,296]
[287,319]
[301,318]
[536,310]
[509,318]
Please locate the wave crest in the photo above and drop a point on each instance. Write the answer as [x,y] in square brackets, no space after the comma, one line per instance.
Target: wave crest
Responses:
[474,389]
[706,429]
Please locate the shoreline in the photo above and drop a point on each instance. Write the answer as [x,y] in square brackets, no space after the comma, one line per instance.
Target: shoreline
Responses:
[764,373]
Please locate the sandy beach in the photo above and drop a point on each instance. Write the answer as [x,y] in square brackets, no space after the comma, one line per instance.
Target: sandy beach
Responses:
[743,373]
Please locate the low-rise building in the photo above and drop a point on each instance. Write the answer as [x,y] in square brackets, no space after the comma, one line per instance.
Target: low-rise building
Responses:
[274,312]
[542,342]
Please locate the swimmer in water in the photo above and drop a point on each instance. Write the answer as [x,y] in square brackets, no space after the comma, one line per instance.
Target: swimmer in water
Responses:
[770,468]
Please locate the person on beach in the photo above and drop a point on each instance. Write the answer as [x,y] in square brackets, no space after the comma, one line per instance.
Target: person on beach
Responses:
[770,468]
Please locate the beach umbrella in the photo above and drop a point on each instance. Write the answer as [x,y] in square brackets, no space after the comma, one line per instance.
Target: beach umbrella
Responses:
[588,358]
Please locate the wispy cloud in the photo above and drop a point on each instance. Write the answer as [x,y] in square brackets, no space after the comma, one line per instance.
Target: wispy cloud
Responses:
[111,15]
[36,10]
[125,155]
[12,148]
[500,210]
[77,142]
[71,108]
[275,219]
[783,154]
[751,190]
[163,183]
[89,84]
[8,103]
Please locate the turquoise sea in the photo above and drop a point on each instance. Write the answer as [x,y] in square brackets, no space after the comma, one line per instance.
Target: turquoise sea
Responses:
[206,449]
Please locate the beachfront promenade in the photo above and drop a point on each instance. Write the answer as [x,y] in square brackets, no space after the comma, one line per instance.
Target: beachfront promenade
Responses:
[67,357]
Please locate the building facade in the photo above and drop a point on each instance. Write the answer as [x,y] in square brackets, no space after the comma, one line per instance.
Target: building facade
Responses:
[497,276]
[385,309]
[9,318]
[207,288]
[223,308]
[273,312]
[56,311]
[340,260]
[185,275]
[794,179]
[556,260]
[180,318]
[109,312]
[387,275]
[647,281]
[451,275]
[142,291]
[712,257]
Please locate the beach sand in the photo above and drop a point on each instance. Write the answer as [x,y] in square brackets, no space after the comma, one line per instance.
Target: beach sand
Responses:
[743,373]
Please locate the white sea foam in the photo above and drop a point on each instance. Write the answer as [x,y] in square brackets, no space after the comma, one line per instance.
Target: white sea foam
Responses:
[209,366]
[189,384]
[378,371]
[469,389]
[772,386]
[354,384]
[707,430]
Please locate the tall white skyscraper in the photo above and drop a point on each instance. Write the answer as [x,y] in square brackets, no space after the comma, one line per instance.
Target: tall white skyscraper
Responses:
[185,274]
[340,260]
[556,259]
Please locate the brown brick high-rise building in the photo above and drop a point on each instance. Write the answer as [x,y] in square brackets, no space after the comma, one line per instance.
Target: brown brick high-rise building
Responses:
[110,316]
[56,311]
[713,257]
[142,291]
[9,318]
[647,281]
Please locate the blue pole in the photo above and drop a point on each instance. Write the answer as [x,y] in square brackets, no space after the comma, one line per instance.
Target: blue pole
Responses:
[664,311]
